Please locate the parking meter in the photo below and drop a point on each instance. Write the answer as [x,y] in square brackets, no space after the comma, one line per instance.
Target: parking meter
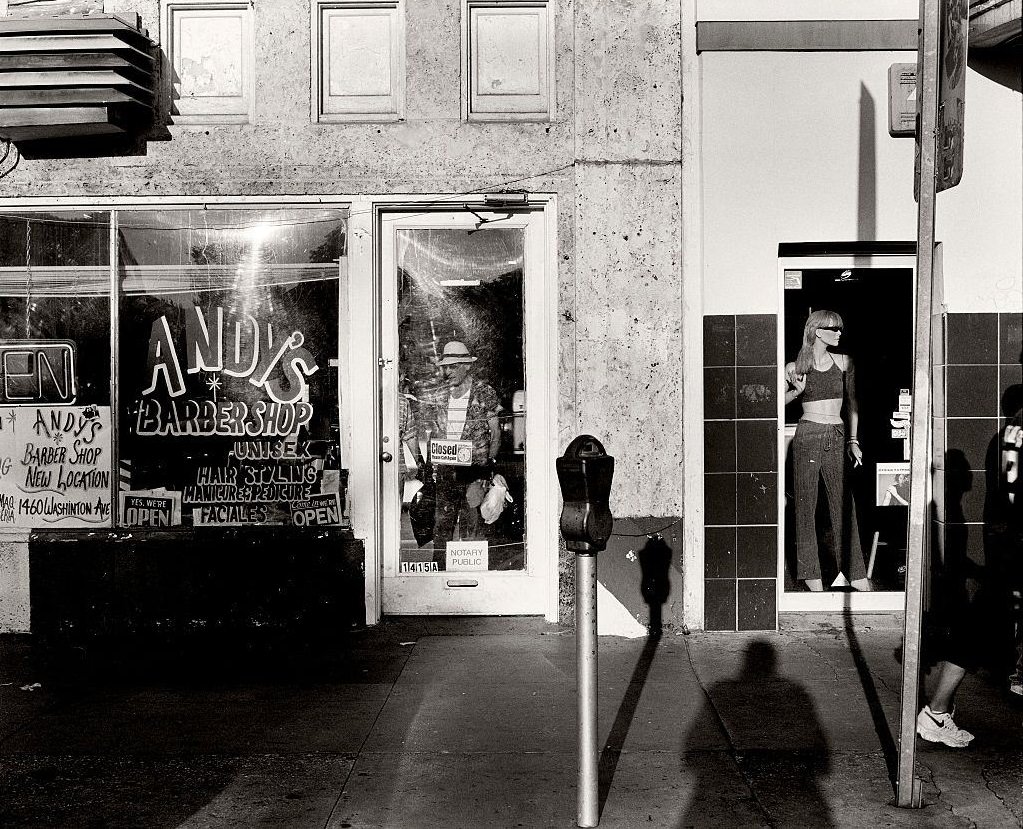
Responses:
[585,472]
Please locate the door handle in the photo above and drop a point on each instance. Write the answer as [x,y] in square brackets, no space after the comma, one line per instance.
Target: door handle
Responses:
[386,457]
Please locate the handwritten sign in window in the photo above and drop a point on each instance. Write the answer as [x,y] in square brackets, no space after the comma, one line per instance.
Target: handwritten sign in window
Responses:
[55,466]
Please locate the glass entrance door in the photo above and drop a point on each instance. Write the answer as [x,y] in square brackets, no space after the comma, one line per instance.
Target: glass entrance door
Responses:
[465,378]
[844,520]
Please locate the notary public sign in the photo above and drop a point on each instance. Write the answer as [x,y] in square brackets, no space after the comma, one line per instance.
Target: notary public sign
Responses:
[55,466]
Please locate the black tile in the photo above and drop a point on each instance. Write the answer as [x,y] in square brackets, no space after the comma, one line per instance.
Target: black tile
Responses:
[963,542]
[971,339]
[1010,338]
[756,445]
[1010,389]
[967,441]
[972,391]
[719,552]
[719,604]
[756,552]
[719,499]
[756,340]
[719,393]
[957,483]
[719,340]
[756,392]
[719,446]
[756,498]
[972,503]
[757,604]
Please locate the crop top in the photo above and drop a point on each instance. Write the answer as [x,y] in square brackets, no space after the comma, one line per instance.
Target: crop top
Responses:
[824,385]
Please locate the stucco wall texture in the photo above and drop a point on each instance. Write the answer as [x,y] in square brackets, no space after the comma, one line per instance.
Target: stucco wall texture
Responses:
[14,595]
[611,152]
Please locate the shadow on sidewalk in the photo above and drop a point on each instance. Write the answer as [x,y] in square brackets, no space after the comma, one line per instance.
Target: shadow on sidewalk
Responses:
[776,751]
[655,587]
[877,713]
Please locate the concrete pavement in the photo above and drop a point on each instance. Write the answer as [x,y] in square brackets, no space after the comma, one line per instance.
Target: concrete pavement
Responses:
[423,723]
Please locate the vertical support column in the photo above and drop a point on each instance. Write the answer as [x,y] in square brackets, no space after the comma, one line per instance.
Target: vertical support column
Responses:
[908,787]
[586,678]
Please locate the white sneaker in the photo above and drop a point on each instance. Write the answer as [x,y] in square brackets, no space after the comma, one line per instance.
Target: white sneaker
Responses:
[941,728]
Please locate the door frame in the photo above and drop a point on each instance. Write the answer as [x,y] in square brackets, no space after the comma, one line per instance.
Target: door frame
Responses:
[365,306]
[854,601]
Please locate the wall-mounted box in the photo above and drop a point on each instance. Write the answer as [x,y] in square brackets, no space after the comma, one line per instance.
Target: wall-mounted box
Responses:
[210,51]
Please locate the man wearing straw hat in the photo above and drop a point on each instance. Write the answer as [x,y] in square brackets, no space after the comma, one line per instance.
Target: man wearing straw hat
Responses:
[466,413]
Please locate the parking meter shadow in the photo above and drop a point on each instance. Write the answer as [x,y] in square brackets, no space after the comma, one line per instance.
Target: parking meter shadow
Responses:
[655,583]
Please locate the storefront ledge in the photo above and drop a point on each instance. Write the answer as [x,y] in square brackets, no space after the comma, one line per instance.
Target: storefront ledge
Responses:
[195,583]
[818,621]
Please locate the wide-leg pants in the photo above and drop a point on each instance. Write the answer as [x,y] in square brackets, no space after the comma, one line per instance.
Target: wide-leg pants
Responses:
[818,455]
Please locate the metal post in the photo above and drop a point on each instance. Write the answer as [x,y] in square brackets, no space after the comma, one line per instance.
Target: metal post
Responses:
[908,788]
[586,678]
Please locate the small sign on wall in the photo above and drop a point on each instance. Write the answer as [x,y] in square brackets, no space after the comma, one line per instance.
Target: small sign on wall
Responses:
[467,555]
[902,100]
[893,484]
[150,508]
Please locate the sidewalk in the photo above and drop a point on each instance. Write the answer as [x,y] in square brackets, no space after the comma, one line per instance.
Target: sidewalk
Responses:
[458,723]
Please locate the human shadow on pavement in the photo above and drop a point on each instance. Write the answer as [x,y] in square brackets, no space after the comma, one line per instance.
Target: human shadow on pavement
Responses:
[654,562]
[776,751]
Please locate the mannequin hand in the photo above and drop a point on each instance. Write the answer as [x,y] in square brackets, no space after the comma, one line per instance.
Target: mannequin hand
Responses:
[855,453]
[798,383]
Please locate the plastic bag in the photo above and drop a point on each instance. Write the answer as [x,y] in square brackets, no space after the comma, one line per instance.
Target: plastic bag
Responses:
[495,499]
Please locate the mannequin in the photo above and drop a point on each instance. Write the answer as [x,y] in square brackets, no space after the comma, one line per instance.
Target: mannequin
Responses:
[825,381]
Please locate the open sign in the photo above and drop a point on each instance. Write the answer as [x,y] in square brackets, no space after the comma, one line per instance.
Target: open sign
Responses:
[37,372]
[322,510]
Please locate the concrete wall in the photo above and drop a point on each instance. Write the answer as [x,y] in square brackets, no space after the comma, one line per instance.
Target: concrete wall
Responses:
[835,174]
[611,152]
[14,584]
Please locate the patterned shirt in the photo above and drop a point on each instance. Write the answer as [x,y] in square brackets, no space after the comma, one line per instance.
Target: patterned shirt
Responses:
[483,405]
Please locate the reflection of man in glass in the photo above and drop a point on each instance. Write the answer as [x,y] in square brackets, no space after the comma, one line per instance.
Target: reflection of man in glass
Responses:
[465,411]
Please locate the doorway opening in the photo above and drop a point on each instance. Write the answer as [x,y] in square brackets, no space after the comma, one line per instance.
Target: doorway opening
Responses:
[873,296]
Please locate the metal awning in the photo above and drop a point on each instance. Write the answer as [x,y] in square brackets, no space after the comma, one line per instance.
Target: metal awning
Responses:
[68,77]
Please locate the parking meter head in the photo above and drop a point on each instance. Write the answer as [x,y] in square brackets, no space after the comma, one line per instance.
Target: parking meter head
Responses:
[585,473]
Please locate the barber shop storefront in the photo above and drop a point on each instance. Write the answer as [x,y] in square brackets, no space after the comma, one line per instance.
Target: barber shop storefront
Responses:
[214,415]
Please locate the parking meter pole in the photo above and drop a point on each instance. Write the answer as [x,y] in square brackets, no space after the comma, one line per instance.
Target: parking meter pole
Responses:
[585,472]
[586,672]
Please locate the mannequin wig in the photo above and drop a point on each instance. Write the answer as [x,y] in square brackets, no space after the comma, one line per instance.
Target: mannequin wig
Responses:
[817,319]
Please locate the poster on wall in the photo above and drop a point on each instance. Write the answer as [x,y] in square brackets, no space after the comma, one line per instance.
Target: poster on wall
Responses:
[893,484]
[55,464]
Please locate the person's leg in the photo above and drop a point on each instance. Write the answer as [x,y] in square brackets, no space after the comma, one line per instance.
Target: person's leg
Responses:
[842,509]
[449,495]
[935,721]
[950,676]
[806,476]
